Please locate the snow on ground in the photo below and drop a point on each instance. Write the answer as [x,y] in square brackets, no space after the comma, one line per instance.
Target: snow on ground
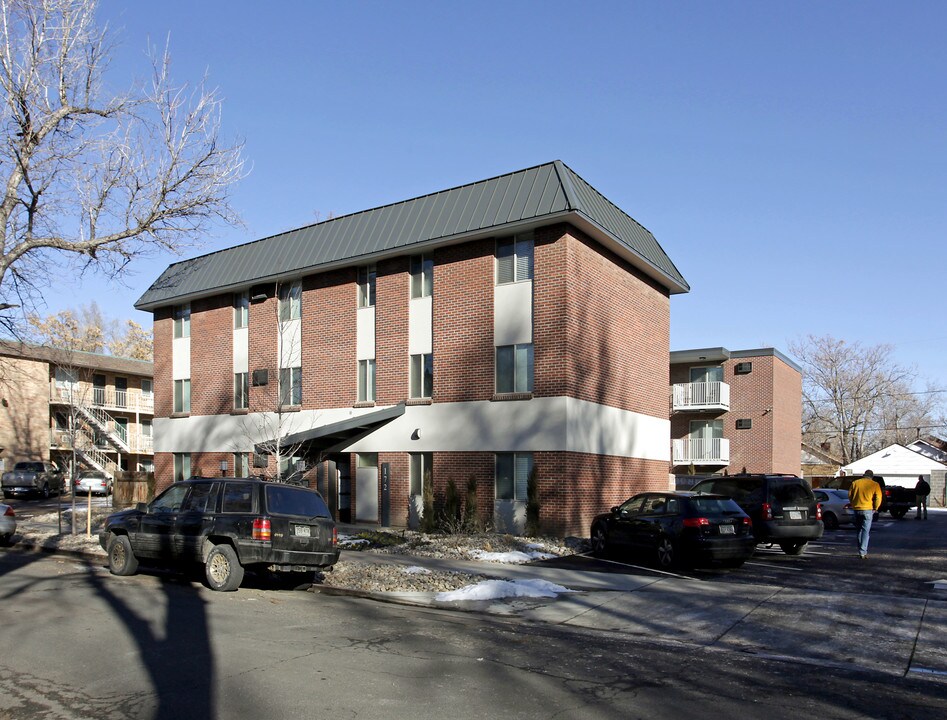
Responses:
[512,558]
[499,589]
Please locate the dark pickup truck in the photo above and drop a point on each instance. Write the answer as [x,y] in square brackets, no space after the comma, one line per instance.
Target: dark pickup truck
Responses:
[896,500]
[228,525]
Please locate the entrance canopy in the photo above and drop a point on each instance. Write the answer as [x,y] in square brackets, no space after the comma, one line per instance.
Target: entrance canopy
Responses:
[334,436]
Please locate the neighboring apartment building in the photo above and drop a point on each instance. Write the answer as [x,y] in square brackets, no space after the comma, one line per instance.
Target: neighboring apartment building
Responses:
[733,411]
[53,400]
[515,324]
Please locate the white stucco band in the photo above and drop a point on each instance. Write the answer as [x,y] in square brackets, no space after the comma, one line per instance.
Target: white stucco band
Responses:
[541,424]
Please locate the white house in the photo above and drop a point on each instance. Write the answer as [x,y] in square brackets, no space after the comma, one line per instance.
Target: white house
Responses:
[902,466]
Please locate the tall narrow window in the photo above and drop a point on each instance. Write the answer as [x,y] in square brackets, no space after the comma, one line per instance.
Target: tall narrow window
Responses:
[290,386]
[420,464]
[241,310]
[512,473]
[147,390]
[515,368]
[515,258]
[182,396]
[241,465]
[290,301]
[182,466]
[422,376]
[241,391]
[366,286]
[422,276]
[366,380]
[182,321]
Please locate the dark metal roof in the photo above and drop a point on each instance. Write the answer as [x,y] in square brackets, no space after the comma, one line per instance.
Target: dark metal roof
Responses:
[530,197]
[76,358]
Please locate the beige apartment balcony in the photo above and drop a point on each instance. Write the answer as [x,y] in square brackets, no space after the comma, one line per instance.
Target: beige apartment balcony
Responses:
[700,397]
[700,451]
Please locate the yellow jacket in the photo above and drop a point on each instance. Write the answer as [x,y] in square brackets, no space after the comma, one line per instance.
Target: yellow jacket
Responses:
[865,494]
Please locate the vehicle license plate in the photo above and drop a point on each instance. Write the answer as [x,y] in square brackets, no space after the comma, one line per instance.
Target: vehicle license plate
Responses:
[795,515]
[727,530]
[302,531]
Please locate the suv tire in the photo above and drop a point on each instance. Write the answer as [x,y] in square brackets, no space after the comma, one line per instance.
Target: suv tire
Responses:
[223,569]
[793,548]
[122,560]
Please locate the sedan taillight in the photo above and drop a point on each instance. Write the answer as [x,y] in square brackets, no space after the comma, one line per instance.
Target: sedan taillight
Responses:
[335,537]
[696,522]
[9,512]
[261,529]
[748,521]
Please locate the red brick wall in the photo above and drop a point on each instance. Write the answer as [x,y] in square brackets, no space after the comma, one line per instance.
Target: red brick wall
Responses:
[262,353]
[392,294]
[787,418]
[164,471]
[463,322]
[601,329]
[328,337]
[163,383]
[212,356]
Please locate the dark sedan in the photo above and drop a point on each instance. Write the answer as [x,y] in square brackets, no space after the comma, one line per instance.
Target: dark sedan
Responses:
[668,528]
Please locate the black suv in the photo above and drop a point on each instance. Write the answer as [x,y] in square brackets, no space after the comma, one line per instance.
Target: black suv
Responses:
[783,508]
[228,525]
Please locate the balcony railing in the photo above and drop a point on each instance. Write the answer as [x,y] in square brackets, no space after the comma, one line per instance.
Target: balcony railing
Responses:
[700,451]
[700,396]
[137,442]
[107,398]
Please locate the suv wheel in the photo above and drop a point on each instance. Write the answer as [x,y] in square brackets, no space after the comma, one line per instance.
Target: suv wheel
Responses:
[793,548]
[45,491]
[122,560]
[223,570]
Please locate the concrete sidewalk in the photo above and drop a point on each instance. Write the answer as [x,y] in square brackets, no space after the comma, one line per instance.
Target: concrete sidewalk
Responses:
[895,635]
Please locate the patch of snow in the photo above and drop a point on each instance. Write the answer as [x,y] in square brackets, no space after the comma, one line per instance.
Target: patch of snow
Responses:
[350,541]
[416,570]
[497,589]
[514,557]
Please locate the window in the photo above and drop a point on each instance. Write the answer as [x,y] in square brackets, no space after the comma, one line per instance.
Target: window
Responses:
[241,310]
[515,259]
[198,499]
[170,500]
[65,379]
[422,376]
[147,389]
[515,368]
[290,386]
[420,464]
[290,301]
[182,466]
[241,464]
[291,470]
[182,321]
[62,421]
[366,286]
[512,472]
[147,434]
[422,276]
[182,396]
[237,498]
[366,380]
[241,391]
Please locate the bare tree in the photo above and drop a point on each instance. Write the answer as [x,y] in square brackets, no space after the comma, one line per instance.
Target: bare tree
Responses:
[857,399]
[93,179]
[87,330]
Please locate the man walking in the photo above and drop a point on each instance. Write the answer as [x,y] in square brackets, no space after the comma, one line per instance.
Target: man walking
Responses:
[921,491]
[865,498]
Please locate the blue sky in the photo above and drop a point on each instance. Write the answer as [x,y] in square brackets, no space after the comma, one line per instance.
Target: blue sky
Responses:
[789,157]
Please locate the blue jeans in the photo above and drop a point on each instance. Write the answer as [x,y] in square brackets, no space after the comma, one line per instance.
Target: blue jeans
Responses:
[863,526]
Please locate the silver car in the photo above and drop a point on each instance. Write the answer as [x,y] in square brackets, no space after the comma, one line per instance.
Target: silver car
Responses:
[95,482]
[836,510]
[7,523]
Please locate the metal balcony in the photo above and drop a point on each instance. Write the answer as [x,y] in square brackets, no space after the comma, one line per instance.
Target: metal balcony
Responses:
[700,397]
[700,451]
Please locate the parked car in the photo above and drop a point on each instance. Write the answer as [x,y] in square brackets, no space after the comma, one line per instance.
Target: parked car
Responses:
[227,524]
[895,499]
[672,527]
[32,478]
[7,524]
[836,509]
[783,509]
[93,481]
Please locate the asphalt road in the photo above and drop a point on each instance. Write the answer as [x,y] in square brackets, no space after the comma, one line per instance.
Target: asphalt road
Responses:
[76,642]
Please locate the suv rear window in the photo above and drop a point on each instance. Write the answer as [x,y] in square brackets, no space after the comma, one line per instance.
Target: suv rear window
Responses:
[29,467]
[715,506]
[286,500]
[746,490]
[787,492]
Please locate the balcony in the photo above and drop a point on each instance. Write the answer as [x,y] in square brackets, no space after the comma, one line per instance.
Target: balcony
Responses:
[700,451]
[700,397]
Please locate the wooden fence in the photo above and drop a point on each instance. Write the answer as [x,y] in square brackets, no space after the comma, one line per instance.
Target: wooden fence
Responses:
[132,488]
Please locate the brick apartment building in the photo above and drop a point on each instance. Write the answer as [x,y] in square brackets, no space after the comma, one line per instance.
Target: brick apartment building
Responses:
[512,324]
[734,410]
[52,400]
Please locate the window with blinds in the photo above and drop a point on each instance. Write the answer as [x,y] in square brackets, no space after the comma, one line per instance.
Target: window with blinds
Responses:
[512,473]
[515,259]
[514,368]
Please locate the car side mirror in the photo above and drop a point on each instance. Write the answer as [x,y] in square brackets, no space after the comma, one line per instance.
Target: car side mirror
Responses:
[614,509]
[142,507]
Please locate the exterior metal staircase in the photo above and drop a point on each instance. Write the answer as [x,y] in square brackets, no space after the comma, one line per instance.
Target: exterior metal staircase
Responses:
[105,424]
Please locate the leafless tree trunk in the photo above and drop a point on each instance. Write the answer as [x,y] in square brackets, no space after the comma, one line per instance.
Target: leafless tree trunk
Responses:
[92,179]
